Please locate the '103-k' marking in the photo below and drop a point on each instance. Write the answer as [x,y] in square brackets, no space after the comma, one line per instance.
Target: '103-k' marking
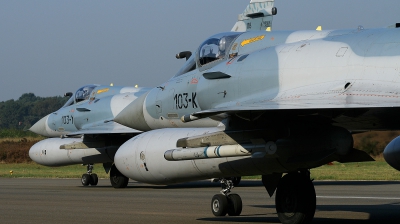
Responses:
[184,100]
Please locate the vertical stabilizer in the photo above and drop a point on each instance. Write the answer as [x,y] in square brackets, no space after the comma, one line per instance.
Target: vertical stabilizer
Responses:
[257,16]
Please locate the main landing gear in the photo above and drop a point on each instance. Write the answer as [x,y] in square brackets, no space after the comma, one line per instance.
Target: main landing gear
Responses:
[225,203]
[295,198]
[89,178]
[117,179]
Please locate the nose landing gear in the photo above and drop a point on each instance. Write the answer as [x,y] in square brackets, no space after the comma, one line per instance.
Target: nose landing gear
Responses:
[225,203]
[295,198]
[89,178]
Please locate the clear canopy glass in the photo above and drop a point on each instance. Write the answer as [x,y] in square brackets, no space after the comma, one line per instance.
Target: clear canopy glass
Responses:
[83,93]
[215,47]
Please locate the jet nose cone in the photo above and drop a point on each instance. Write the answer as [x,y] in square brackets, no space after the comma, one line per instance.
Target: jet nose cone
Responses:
[132,116]
[40,127]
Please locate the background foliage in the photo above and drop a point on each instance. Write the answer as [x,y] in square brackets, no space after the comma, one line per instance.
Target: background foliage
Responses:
[28,109]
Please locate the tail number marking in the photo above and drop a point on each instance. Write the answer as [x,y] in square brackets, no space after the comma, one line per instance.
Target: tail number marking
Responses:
[67,119]
[185,100]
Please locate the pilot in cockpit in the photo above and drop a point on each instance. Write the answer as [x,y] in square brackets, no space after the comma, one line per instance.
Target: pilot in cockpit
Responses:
[215,47]
[83,93]
[209,51]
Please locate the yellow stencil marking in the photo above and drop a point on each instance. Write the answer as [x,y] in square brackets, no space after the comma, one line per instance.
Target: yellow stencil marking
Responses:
[252,40]
[102,90]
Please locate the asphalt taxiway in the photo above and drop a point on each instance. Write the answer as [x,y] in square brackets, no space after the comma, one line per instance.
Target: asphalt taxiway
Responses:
[66,201]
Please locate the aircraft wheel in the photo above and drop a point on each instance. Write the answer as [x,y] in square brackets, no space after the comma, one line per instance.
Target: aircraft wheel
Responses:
[117,179]
[94,179]
[219,205]
[85,179]
[295,199]
[234,205]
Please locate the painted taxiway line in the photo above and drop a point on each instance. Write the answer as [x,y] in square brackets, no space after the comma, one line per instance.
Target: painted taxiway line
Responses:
[352,197]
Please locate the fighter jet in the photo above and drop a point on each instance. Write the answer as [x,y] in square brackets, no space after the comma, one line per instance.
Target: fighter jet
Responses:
[283,102]
[76,116]
[83,131]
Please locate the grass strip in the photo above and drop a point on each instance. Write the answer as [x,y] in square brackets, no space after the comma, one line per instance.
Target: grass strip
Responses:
[34,170]
[378,170]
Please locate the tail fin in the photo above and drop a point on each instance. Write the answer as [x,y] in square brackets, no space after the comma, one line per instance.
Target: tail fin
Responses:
[257,16]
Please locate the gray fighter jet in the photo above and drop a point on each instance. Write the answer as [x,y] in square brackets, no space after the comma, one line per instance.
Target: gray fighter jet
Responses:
[275,103]
[253,102]
[83,131]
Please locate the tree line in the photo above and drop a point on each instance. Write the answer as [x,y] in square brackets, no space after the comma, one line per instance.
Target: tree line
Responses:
[27,110]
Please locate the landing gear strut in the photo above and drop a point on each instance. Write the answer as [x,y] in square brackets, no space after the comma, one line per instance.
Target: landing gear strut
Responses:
[117,179]
[224,203]
[89,178]
[235,180]
[295,198]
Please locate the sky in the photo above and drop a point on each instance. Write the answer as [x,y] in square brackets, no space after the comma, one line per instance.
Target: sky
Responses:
[50,47]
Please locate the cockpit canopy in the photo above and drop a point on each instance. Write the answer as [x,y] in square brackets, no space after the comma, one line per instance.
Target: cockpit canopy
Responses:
[83,93]
[216,47]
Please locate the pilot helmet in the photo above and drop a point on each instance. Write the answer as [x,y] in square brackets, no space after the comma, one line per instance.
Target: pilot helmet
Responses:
[215,47]
[83,93]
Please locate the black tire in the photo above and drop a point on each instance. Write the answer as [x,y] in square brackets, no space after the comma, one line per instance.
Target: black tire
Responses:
[295,199]
[94,179]
[219,205]
[234,205]
[85,179]
[117,179]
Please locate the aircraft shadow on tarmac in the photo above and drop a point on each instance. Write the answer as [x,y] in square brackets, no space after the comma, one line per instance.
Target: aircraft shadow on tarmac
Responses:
[239,219]
[382,213]
[377,214]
